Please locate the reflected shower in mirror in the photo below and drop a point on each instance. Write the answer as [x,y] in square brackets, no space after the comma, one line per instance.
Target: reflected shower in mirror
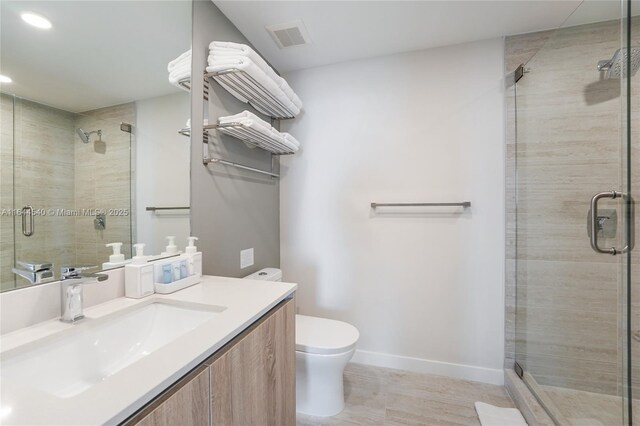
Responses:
[89,136]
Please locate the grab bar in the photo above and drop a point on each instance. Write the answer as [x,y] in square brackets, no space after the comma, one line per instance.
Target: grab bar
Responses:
[153,209]
[464,204]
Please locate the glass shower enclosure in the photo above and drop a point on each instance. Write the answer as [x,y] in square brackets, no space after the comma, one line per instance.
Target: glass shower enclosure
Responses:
[571,228]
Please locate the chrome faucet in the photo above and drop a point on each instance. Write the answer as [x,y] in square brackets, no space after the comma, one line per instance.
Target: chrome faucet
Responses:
[72,278]
[34,272]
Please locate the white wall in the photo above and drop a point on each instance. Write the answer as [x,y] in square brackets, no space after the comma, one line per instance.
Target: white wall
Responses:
[426,289]
[162,170]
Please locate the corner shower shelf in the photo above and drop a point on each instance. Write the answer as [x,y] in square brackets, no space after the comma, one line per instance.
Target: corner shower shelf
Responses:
[256,95]
[252,137]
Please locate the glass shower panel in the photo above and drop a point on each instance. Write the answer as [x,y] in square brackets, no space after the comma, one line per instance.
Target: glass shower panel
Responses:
[570,344]
[630,270]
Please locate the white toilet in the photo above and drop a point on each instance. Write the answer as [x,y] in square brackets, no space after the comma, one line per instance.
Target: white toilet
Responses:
[323,349]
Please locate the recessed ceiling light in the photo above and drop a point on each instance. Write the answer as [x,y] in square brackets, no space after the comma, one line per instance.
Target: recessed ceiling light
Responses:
[5,79]
[37,21]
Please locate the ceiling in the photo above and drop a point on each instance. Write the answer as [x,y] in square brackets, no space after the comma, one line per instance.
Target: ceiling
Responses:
[98,53]
[347,30]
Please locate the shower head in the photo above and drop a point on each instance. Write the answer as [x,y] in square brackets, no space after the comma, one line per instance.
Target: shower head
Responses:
[84,136]
[616,67]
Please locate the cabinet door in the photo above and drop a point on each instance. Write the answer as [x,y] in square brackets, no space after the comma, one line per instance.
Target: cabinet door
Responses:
[253,382]
[185,404]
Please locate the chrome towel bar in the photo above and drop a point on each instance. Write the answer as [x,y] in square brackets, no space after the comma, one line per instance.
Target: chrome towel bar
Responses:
[153,209]
[208,160]
[464,204]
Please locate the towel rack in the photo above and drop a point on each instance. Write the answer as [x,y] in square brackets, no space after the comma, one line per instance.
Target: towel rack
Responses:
[253,137]
[240,82]
[464,204]
[187,132]
[154,209]
[208,160]
[185,83]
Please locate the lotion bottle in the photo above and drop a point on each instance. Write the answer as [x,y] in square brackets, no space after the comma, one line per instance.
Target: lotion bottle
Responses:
[171,248]
[116,259]
[138,275]
[194,258]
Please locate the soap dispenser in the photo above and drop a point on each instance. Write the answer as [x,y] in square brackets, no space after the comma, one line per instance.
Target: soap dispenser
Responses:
[138,275]
[194,261]
[116,259]
[171,248]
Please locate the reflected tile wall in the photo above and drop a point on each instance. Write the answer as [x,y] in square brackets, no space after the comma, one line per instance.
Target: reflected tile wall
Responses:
[55,170]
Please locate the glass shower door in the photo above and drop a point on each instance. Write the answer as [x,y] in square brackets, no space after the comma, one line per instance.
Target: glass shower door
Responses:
[571,301]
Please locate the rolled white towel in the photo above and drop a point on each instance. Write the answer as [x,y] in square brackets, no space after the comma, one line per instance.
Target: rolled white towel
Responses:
[245,64]
[186,56]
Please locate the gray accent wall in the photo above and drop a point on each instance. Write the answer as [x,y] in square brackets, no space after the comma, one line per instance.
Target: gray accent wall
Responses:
[231,209]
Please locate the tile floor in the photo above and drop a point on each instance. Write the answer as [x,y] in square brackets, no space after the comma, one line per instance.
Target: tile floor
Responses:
[381,396]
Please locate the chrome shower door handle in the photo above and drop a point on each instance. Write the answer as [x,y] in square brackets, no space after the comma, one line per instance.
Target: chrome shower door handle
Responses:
[27,211]
[594,221]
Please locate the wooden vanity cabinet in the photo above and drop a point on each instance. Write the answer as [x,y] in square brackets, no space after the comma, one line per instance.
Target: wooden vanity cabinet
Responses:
[250,381]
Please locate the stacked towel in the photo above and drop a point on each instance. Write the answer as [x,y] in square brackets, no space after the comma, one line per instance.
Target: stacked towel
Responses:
[282,141]
[180,68]
[224,56]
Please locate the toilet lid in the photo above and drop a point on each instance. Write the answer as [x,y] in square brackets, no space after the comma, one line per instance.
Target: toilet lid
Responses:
[324,336]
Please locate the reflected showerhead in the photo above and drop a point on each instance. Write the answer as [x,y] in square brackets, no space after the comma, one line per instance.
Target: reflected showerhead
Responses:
[616,67]
[84,136]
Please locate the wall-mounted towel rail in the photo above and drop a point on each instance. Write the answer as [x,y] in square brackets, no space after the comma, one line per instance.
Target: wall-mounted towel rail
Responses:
[464,204]
[187,132]
[154,209]
[252,137]
[240,82]
[186,84]
[208,160]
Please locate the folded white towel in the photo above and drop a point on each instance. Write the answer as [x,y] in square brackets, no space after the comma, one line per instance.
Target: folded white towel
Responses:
[181,72]
[491,415]
[290,139]
[205,122]
[186,56]
[245,64]
[220,49]
[267,135]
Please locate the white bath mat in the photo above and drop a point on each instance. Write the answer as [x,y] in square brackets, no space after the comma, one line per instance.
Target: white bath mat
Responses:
[490,415]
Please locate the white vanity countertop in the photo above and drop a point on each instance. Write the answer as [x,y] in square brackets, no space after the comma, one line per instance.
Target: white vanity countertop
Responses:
[115,398]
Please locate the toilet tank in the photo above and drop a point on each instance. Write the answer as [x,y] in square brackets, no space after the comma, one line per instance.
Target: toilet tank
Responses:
[266,274]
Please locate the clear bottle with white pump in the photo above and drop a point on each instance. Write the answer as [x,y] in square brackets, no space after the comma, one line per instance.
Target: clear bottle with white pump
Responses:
[194,261]
[117,258]
[171,248]
[138,275]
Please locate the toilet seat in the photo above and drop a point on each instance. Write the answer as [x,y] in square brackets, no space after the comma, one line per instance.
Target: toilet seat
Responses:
[324,336]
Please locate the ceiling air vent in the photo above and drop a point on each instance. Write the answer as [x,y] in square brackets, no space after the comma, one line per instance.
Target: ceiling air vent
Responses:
[290,34]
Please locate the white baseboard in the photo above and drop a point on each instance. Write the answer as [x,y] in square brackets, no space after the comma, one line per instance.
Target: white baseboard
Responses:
[419,365]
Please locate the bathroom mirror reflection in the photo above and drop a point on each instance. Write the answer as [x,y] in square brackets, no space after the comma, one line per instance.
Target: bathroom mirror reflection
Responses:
[89,149]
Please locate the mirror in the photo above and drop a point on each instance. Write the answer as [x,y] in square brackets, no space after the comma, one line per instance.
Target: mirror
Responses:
[89,147]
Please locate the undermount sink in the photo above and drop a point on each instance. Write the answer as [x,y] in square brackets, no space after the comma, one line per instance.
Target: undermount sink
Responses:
[72,362]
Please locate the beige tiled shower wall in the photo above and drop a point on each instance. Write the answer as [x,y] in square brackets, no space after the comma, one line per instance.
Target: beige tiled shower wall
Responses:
[103,181]
[569,147]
